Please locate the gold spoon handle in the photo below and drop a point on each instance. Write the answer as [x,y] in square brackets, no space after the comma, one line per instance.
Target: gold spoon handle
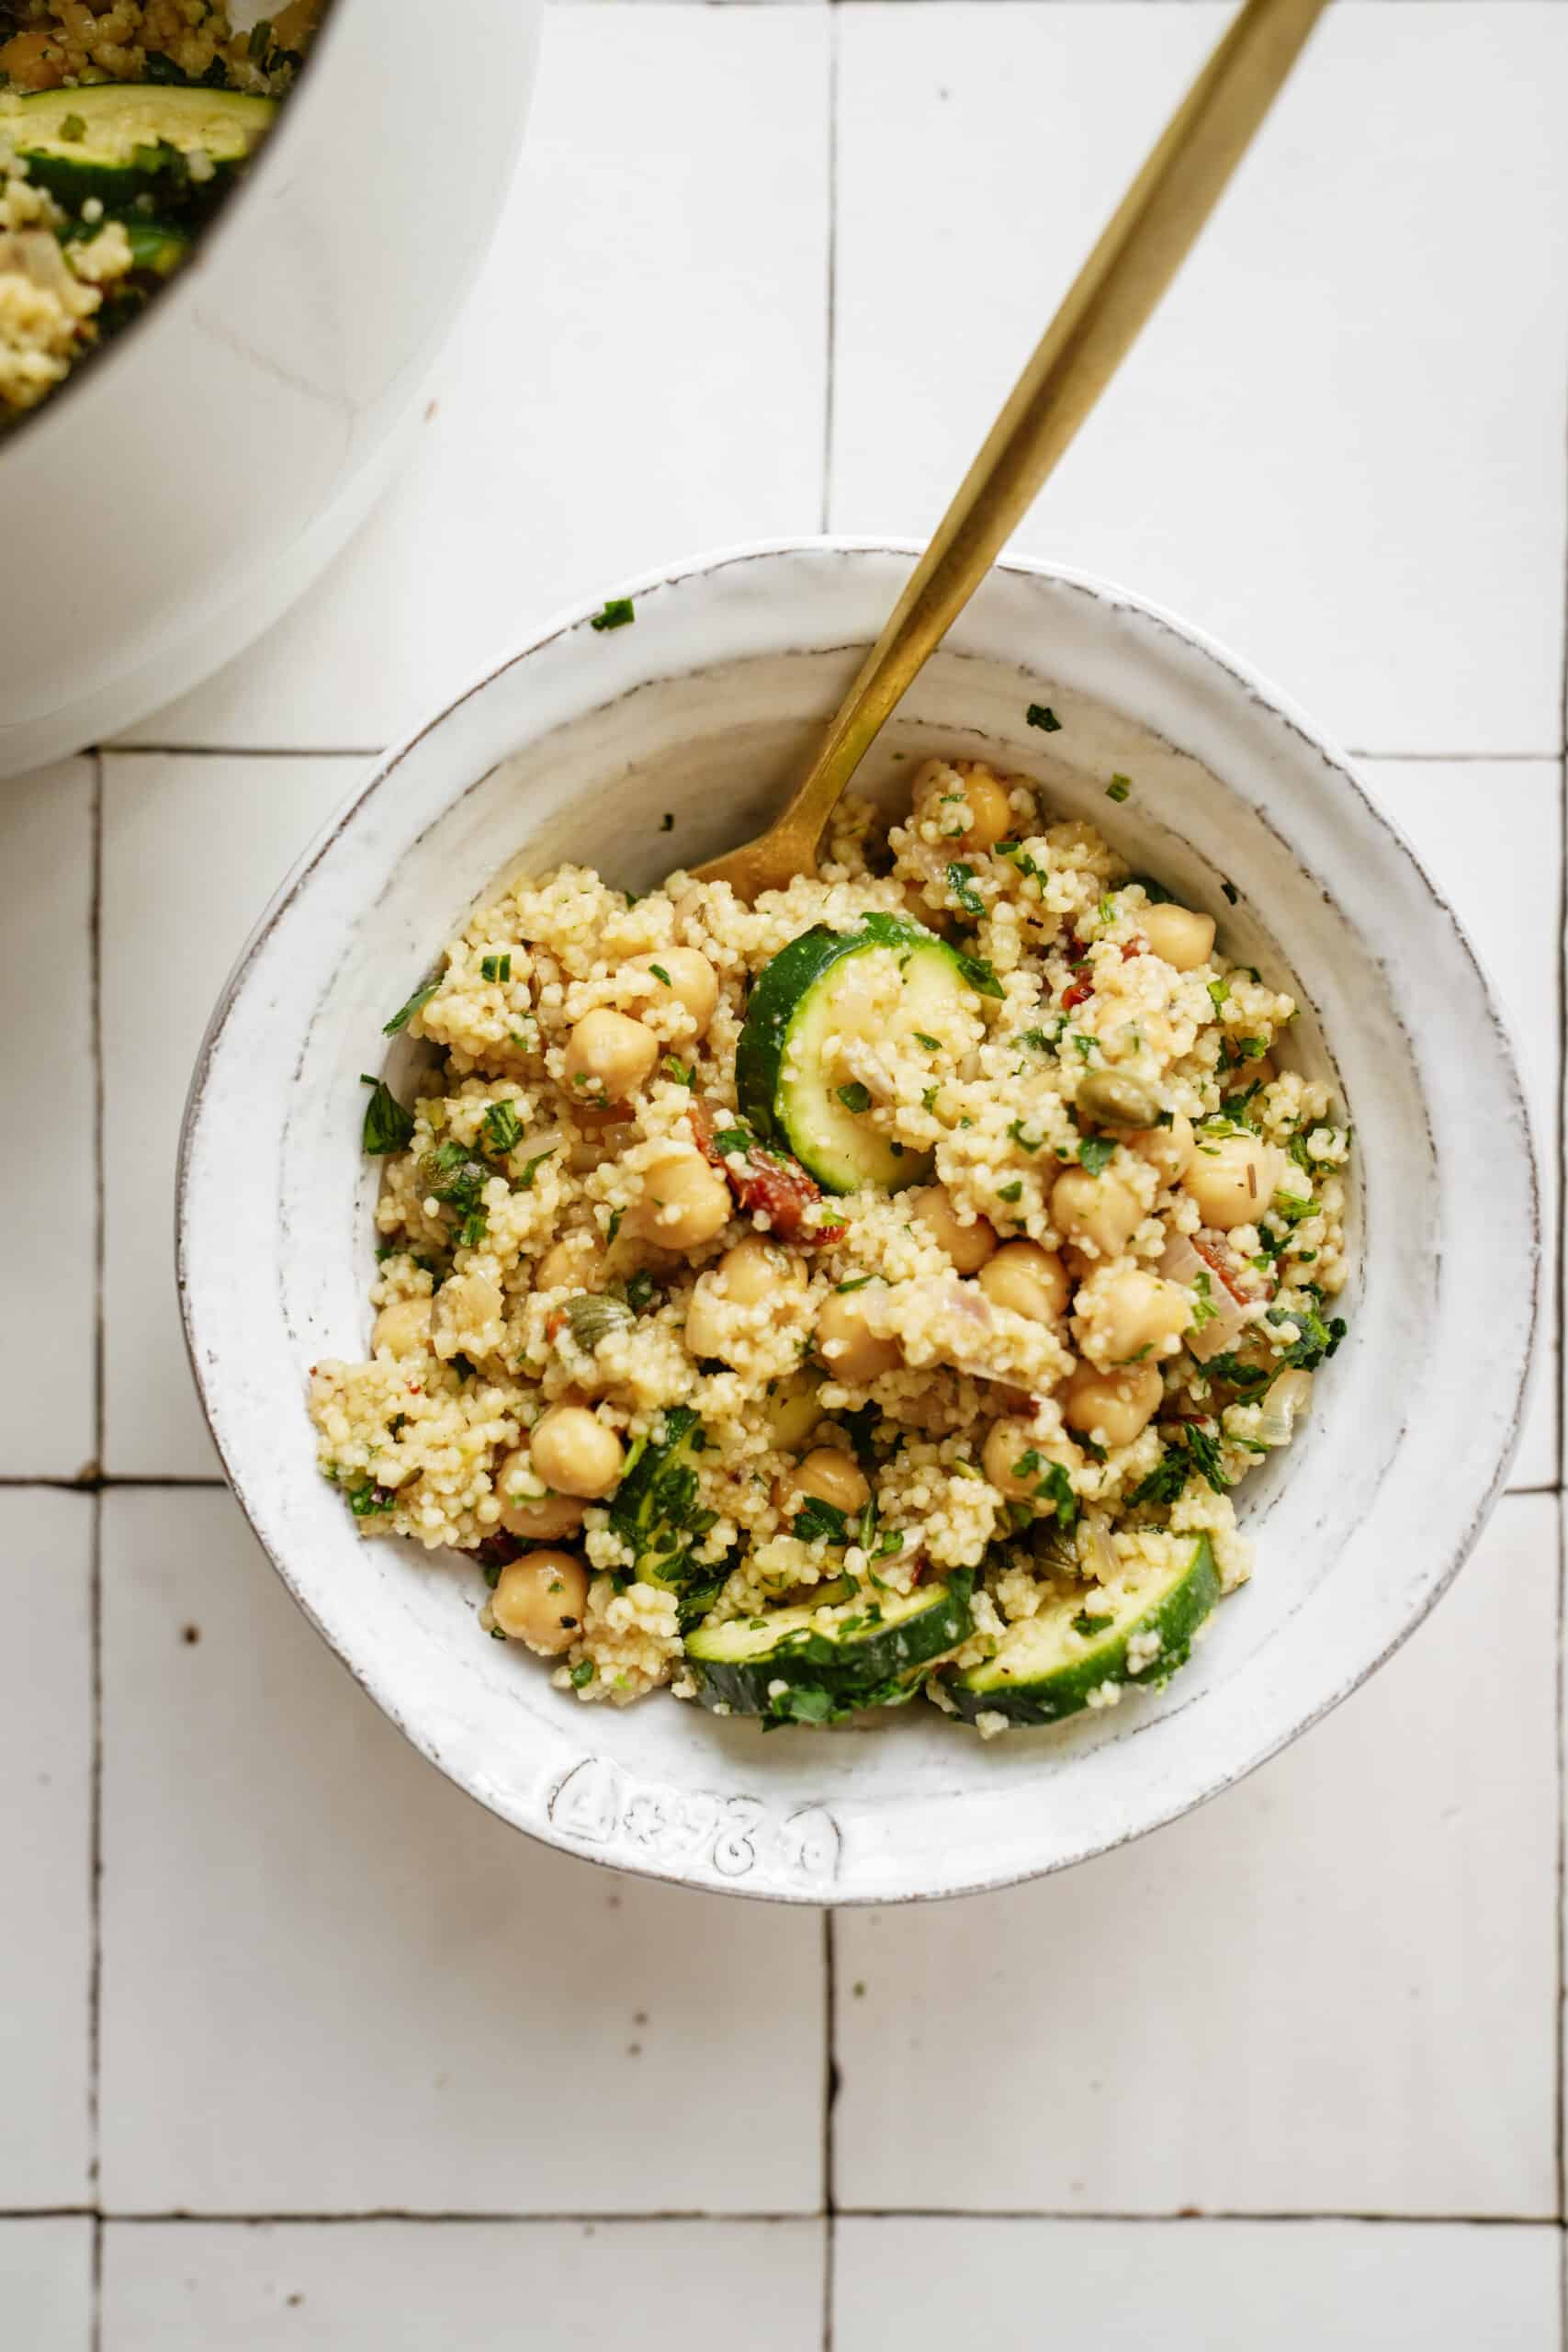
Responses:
[1138,254]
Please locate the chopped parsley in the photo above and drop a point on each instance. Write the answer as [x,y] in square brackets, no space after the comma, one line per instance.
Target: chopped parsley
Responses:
[503,1128]
[405,1012]
[1018,1133]
[856,1282]
[525,1182]
[817,1521]
[684,1073]
[980,975]
[495,967]
[1204,1308]
[1013,1192]
[368,1498]
[661,974]
[639,1294]
[388,1126]
[472,1230]
[1041,714]
[449,1173]
[1318,1339]
[583,1673]
[615,613]
[854,1096]
[1220,992]
[1095,1153]
[960,882]
[932,1044]
[1119,788]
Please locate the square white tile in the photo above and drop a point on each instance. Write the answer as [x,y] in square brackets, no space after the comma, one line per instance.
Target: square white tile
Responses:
[46,1763]
[639,374]
[1490,833]
[193,849]
[46,983]
[402,2286]
[46,2286]
[1333,1990]
[1339,445]
[333,1983]
[1197,2286]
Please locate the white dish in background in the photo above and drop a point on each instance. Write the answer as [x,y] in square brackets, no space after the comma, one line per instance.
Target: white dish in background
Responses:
[176,495]
[576,748]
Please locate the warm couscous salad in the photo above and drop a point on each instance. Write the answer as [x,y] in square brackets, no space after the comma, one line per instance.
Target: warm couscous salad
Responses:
[876,1290]
[121,126]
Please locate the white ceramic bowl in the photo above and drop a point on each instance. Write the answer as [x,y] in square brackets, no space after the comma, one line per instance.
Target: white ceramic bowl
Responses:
[184,487]
[704,708]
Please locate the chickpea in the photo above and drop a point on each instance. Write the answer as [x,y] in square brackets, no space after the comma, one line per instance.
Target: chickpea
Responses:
[1233,1179]
[683,1201]
[1180,938]
[1112,1408]
[691,983]
[1134,1311]
[540,1599]
[465,1304]
[404,1326]
[572,1264]
[608,1057]
[574,1453]
[847,1346]
[526,1512]
[826,1475]
[990,818]
[1169,1151]
[1099,1212]
[969,1245]
[34,61]
[1008,1443]
[1027,1280]
[755,1270]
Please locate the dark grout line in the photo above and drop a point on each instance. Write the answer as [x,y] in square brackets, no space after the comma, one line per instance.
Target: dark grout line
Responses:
[101,1483]
[96,1786]
[829,2104]
[241,751]
[384,2215]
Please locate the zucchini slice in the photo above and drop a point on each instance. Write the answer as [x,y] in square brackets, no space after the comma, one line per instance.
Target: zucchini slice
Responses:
[815,1664]
[654,1511]
[157,249]
[1132,1634]
[780,1074]
[118,141]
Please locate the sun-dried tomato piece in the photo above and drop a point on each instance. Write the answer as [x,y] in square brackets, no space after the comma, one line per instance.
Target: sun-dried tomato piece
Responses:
[760,1178]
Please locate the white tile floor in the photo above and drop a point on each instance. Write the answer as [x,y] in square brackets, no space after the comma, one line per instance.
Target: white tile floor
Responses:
[322,2057]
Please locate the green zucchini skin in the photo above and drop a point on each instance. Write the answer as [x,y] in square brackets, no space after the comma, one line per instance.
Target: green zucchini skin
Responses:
[654,1511]
[157,247]
[135,140]
[794,1111]
[829,1671]
[1043,1672]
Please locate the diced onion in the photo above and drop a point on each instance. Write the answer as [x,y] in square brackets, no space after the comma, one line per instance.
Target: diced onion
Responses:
[1097,1554]
[1288,1401]
[1183,1263]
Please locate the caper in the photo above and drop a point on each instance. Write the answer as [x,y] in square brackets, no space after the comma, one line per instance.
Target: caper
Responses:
[592,1318]
[1117,1101]
[448,1174]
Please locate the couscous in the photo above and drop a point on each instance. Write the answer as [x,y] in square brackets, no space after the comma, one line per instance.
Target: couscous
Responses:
[880,1289]
[121,126]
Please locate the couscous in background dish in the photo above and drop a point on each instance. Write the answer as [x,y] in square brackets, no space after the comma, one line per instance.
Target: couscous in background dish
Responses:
[879,1290]
[121,127]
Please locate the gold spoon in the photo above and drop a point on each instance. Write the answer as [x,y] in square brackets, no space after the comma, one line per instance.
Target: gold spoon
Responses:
[1138,254]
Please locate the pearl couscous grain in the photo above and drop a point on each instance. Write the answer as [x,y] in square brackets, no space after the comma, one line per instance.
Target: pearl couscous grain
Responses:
[619,1326]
